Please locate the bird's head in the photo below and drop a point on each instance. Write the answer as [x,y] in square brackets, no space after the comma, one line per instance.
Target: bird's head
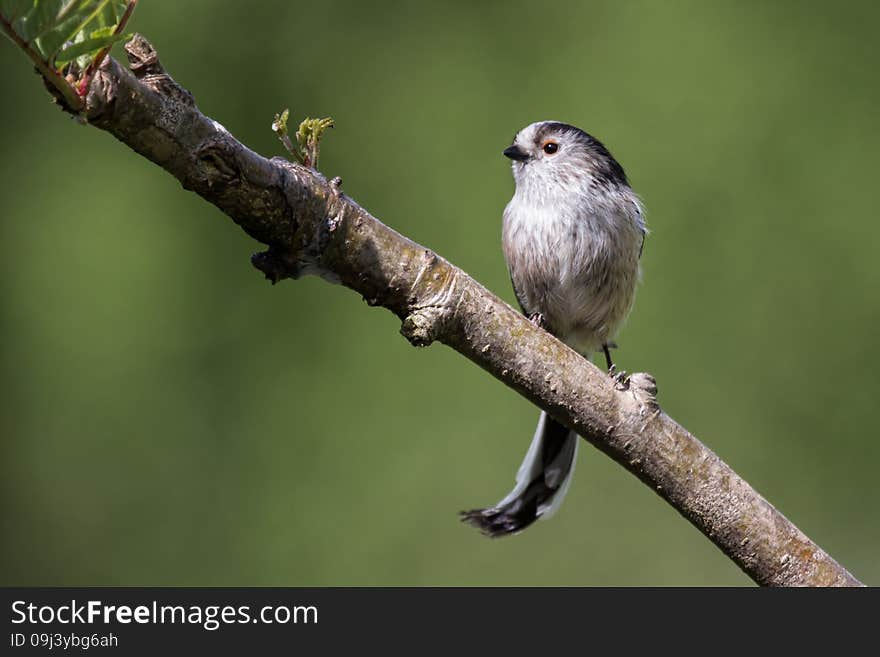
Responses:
[551,153]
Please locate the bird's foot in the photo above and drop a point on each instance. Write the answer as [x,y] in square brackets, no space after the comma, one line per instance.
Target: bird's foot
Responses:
[538,320]
[620,378]
[336,185]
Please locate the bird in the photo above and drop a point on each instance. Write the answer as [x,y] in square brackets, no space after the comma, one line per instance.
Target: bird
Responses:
[573,235]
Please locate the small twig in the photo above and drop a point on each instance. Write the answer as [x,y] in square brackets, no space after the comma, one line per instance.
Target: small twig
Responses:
[279,127]
[308,137]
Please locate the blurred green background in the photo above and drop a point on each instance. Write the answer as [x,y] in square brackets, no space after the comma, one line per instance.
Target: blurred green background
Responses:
[169,418]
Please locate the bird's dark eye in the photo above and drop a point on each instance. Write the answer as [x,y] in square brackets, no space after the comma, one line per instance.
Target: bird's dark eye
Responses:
[551,147]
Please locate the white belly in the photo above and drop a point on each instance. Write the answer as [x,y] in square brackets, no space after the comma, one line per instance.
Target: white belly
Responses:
[579,272]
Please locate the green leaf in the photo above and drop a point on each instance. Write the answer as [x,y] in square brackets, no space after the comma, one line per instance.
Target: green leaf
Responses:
[27,25]
[279,125]
[44,17]
[52,40]
[47,25]
[308,137]
[88,47]
[54,33]
[111,13]
[13,9]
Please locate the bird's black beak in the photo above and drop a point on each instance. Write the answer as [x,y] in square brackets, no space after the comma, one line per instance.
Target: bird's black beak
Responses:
[514,152]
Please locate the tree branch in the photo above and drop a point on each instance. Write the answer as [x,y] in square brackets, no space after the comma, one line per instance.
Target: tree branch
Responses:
[312,228]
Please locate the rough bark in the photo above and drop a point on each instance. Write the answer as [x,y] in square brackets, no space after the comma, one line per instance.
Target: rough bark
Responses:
[310,227]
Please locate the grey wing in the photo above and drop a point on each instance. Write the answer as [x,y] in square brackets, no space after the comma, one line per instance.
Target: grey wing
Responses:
[643,229]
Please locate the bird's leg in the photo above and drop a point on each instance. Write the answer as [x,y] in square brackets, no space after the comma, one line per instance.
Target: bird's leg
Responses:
[621,380]
[538,320]
[606,348]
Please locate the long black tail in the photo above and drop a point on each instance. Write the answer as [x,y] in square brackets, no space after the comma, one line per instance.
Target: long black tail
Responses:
[541,483]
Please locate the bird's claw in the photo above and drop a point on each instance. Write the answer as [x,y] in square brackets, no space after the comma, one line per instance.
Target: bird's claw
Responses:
[336,185]
[620,378]
[538,320]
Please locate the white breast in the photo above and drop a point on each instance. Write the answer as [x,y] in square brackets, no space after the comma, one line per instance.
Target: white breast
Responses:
[575,259]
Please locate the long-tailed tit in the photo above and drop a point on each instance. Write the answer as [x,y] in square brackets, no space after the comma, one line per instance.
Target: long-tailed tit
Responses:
[573,235]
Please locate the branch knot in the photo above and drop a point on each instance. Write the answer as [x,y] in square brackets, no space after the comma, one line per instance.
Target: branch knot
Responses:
[422,326]
[431,297]
[144,63]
